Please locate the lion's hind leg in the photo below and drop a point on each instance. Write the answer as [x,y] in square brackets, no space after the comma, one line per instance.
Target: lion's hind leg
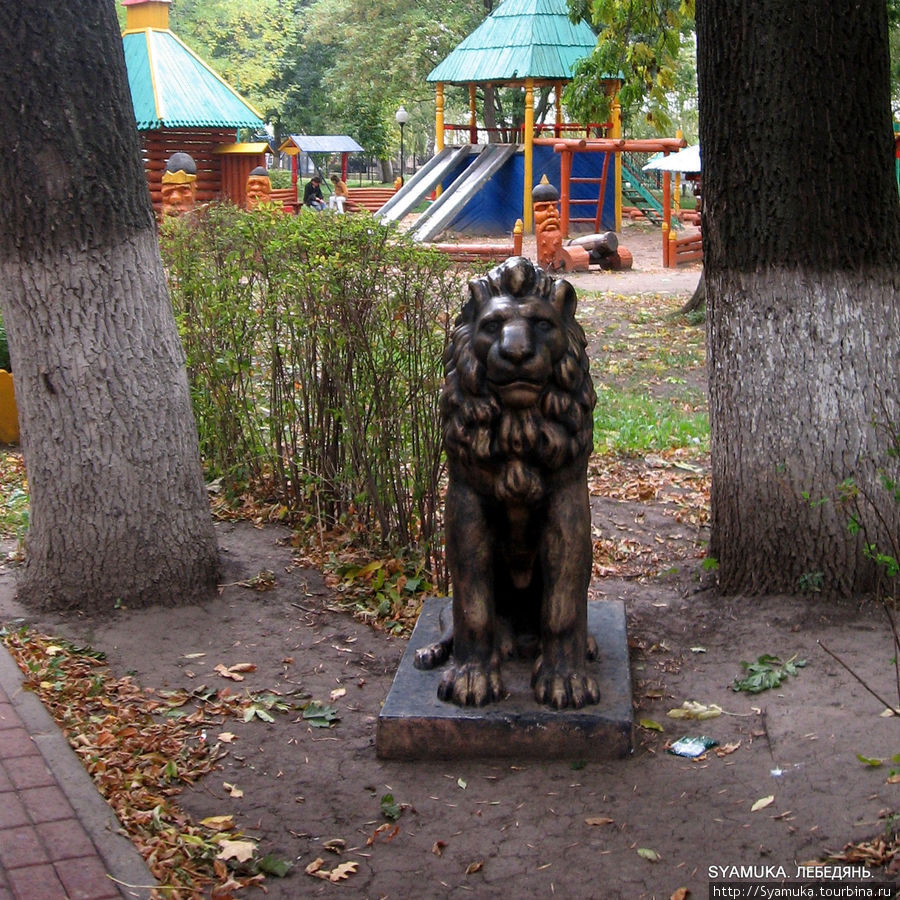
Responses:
[436,654]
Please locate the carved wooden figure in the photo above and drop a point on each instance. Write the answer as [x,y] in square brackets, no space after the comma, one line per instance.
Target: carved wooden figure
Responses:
[179,185]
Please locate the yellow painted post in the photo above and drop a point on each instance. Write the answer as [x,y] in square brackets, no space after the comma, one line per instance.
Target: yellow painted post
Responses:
[473,116]
[665,245]
[438,117]
[518,228]
[616,117]
[9,414]
[438,126]
[527,210]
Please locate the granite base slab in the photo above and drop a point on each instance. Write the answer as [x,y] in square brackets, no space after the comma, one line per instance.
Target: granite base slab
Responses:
[415,724]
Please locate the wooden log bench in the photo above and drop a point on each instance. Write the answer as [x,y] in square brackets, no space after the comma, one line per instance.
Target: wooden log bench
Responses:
[371,199]
[287,197]
[685,249]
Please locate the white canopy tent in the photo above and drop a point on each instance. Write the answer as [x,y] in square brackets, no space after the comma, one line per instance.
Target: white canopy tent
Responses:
[687,160]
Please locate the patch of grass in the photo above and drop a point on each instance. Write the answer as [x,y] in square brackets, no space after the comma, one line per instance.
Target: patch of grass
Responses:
[634,423]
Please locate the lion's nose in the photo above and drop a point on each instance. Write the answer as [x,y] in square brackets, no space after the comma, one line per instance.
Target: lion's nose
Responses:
[515,343]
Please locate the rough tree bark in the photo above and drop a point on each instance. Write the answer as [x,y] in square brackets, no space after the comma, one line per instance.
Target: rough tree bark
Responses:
[801,234]
[119,512]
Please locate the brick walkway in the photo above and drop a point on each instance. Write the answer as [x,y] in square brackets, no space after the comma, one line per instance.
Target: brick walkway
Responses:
[58,837]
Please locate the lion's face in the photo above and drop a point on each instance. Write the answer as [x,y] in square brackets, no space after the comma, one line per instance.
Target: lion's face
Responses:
[518,342]
[517,397]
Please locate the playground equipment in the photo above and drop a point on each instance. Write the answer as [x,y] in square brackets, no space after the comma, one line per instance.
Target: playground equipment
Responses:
[687,248]
[181,105]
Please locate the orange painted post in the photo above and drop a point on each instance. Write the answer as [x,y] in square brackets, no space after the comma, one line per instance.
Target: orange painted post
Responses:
[673,250]
[473,117]
[518,228]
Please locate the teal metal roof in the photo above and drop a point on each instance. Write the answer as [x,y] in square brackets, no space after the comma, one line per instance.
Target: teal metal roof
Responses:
[171,87]
[518,40]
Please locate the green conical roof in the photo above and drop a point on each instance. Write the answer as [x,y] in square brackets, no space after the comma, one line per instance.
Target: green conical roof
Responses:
[171,87]
[518,40]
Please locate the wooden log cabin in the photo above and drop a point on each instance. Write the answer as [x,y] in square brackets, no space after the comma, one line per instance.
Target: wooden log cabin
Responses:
[181,104]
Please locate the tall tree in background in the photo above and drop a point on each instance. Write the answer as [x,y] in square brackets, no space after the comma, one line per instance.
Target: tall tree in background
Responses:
[801,233]
[119,512]
[643,41]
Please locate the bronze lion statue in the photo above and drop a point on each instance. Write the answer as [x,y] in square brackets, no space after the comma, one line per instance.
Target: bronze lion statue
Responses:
[516,411]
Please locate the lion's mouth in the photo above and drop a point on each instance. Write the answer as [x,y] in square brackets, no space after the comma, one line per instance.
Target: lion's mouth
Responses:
[518,393]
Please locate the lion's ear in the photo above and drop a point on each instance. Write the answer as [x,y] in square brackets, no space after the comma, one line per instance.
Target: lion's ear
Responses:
[564,298]
[479,292]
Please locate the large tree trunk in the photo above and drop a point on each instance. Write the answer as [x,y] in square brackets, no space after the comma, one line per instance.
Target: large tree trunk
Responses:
[119,512]
[801,235]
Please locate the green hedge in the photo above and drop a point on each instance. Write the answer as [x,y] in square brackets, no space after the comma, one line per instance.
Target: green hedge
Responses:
[314,349]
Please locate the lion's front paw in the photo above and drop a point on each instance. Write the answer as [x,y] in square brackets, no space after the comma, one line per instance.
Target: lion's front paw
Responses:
[563,688]
[471,684]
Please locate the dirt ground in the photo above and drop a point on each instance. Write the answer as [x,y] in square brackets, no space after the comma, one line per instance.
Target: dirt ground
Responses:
[641,827]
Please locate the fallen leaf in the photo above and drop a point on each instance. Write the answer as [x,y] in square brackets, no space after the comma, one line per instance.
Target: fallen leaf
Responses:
[233,790]
[437,848]
[337,693]
[894,779]
[335,845]
[762,803]
[651,725]
[461,783]
[648,854]
[315,867]
[680,894]
[225,672]
[226,737]
[218,823]
[242,667]
[691,709]
[242,851]
[343,871]
[381,829]
[727,749]
[872,761]
[474,867]
[598,820]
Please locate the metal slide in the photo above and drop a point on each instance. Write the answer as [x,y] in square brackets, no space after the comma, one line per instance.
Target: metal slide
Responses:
[416,188]
[444,210]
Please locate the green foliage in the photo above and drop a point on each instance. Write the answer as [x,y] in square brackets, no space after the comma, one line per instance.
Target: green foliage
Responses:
[870,513]
[314,351]
[390,809]
[633,423]
[640,43]
[767,672]
[246,43]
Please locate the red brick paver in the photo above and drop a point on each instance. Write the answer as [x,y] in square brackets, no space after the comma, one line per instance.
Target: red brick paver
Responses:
[45,852]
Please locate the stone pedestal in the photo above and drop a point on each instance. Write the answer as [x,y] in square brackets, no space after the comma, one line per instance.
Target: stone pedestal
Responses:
[415,724]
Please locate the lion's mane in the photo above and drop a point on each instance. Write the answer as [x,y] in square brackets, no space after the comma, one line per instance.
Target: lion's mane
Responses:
[522,448]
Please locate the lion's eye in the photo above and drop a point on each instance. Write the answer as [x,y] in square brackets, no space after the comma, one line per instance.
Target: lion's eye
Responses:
[491,327]
[544,325]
